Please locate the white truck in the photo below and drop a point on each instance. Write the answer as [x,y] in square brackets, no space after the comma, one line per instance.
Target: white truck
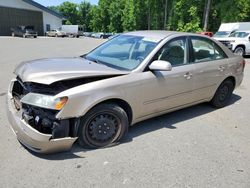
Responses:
[226,29]
[73,30]
[238,42]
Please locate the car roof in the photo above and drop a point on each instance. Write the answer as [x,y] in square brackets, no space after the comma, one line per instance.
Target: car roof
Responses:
[152,33]
[160,34]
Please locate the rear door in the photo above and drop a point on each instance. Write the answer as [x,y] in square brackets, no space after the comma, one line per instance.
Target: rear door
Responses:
[210,65]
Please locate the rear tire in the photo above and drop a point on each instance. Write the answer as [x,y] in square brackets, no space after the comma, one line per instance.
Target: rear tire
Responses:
[103,125]
[223,94]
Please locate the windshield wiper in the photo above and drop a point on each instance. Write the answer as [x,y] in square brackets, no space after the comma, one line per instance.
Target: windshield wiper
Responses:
[103,63]
[96,61]
[91,59]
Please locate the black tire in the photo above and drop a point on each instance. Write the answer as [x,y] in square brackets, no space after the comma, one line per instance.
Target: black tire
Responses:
[239,51]
[223,94]
[103,125]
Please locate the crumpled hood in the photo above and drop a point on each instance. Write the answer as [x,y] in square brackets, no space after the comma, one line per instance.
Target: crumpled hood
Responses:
[47,71]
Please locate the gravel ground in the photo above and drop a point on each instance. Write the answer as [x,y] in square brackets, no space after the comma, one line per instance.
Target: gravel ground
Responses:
[193,147]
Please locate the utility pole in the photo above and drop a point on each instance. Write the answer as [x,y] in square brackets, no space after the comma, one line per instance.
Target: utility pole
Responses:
[149,15]
[165,15]
[207,10]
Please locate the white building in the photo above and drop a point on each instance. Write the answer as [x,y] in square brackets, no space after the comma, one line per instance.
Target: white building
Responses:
[27,12]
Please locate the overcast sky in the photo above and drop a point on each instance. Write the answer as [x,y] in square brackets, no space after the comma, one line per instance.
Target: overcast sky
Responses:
[58,2]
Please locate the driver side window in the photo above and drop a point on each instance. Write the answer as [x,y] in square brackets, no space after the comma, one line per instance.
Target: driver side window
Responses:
[174,52]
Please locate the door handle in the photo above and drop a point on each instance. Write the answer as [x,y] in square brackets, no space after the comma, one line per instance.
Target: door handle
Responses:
[188,75]
[221,68]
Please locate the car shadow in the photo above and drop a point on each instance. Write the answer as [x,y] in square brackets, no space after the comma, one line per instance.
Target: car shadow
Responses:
[165,121]
[170,119]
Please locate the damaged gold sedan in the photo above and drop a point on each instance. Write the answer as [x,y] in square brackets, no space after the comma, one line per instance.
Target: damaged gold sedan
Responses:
[135,76]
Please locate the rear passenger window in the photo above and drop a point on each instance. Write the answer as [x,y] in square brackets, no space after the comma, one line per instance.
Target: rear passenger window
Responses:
[206,50]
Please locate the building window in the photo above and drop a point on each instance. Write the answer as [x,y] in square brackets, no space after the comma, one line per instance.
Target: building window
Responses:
[47,27]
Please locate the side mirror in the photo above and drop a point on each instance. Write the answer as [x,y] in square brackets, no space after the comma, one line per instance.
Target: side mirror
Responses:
[160,65]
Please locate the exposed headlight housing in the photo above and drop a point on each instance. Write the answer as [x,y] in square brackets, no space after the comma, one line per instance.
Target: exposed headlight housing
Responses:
[44,101]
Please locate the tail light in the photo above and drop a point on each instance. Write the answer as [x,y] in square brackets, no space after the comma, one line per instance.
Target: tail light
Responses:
[243,64]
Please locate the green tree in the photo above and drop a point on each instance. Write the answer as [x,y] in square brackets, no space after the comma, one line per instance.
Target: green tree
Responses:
[104,14]
[116,13]
[70,11]
[95,22]
[85,15]
[234,10]
[141,14]
[128,19]
[187,15]
[181,15]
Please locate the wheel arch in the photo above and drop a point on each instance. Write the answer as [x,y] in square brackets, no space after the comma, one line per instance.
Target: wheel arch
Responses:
[213,100]
[240,45]
[120,102]
[232,78]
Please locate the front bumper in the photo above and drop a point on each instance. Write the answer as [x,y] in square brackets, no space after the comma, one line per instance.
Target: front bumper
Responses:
[62,35]
[30,137]
[30,34]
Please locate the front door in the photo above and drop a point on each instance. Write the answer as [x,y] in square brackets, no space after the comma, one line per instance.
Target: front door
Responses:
[166,90]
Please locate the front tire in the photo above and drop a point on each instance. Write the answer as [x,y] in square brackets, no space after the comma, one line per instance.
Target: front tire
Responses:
[103,125]
[223,94]
[239,51]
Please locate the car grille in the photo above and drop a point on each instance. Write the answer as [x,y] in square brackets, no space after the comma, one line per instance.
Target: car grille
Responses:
[226,43]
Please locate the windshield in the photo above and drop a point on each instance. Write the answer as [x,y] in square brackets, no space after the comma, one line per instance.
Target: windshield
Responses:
[221,34]
[124,52]
[29,27]
[239,34]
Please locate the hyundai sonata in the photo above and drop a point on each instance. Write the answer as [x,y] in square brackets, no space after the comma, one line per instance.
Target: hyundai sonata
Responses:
[94,98]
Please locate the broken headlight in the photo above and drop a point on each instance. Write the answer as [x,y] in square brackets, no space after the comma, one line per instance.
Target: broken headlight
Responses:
[44,101]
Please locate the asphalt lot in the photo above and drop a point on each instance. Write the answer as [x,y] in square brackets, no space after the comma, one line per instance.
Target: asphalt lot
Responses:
[194,147]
